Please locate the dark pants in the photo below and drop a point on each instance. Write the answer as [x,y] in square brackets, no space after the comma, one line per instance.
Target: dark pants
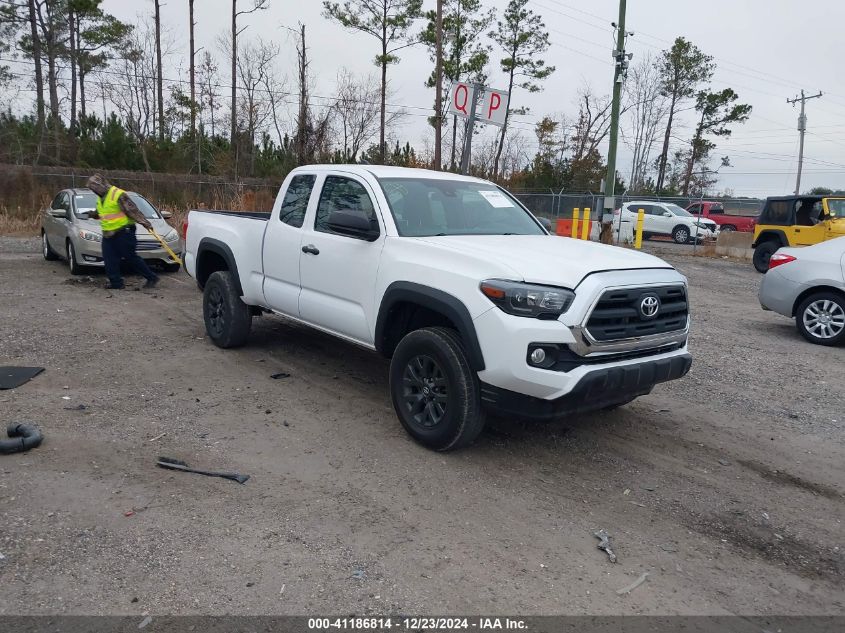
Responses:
[121,248]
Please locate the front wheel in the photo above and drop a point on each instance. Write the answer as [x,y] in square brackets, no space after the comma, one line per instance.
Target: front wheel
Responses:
[434,390]
[227,318]
[763,253]
[680,234]
[727,228]
[821,318]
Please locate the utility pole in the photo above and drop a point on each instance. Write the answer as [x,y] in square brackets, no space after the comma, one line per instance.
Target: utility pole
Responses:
[619,73]
[438,98]
[802,127]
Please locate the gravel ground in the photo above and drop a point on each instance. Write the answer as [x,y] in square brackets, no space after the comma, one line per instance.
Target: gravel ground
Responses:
[725,487]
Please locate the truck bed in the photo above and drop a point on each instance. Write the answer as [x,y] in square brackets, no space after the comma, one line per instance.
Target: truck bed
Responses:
[239,232]
[255,215]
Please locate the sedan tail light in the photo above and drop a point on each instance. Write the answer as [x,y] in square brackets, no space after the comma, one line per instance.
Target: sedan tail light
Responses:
[780,258]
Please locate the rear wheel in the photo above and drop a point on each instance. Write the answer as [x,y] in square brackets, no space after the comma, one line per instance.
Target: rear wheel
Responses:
[73,265]
[434,390]
[728,228]
[821,318]
[227,318]
[763,253]
[48,253]
[680,234]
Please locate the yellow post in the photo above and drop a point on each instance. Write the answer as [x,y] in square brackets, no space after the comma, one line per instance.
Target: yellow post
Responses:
[585,225]
[638,240]
[575,214]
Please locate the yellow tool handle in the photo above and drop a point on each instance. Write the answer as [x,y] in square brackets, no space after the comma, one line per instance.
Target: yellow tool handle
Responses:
[169,250]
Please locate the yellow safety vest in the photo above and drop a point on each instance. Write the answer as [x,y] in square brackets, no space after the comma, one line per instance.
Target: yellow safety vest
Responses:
[111,215]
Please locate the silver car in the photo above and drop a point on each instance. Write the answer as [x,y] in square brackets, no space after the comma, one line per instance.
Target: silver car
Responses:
[809,284]
[66,232]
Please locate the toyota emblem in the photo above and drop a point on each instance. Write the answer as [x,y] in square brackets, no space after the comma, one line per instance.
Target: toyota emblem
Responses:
[649,306]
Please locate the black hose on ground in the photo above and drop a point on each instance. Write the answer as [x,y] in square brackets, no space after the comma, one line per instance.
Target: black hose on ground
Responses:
[24,437]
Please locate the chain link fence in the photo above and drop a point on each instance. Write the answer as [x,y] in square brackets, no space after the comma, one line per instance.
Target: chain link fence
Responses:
[561,205]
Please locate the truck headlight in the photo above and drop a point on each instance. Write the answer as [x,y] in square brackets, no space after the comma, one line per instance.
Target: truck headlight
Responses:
[90,236]
[172,236]
[527,300]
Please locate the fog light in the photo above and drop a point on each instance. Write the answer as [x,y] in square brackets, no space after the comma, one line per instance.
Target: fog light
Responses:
[538,356]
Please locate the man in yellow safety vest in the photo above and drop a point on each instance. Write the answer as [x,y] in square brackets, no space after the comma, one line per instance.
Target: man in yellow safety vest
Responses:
[118,216]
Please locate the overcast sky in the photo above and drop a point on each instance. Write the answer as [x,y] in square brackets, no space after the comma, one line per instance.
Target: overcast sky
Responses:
[766,50]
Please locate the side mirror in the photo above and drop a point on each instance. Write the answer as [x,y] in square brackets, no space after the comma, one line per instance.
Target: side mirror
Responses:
[58,213]
[166,214]
[546,222]
[352,225]
[667,214]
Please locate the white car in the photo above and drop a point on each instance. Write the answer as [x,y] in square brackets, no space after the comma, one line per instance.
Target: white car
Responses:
[666,218]
[477,306]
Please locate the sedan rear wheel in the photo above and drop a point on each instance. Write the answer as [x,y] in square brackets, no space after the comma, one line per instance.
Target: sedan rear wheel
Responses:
[821,318]
[48,253]
[75,268]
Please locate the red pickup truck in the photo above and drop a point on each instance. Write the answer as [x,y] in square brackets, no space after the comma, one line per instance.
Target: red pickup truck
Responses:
[716,212]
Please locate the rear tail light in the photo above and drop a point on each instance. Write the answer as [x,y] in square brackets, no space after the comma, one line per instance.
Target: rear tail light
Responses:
[780,258]
[185,229]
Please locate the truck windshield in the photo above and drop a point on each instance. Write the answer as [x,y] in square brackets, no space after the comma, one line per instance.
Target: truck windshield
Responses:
[427,206]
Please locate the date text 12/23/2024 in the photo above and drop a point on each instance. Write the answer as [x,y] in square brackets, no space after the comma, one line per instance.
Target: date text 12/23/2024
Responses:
[415,623]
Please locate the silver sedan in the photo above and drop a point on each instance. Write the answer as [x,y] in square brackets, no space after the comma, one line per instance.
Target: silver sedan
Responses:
[67,232]
[809,284]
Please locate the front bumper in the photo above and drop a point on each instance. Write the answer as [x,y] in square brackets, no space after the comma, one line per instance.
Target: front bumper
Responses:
[505,339]
[597,389]
[90,253]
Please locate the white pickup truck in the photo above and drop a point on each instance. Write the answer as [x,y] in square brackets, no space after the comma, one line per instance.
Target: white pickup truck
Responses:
[477,306]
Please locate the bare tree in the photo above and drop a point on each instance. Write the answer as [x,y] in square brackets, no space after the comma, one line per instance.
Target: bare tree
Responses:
[255,62]
[356,109]
[648,108]
[593,123]
[257,5]
[208,89]
[134,98]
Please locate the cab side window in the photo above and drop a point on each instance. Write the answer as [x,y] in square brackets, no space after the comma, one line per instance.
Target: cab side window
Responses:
[296,199]
[347,195]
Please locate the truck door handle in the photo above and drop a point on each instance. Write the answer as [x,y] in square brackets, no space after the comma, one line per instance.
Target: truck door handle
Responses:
[310,249]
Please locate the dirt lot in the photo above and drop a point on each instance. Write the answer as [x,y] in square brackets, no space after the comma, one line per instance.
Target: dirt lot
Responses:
[725,487]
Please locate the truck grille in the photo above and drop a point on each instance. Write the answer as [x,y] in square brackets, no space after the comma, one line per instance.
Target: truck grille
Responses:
[622,314]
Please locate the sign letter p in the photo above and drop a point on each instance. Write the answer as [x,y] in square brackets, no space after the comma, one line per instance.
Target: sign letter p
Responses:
[495,103]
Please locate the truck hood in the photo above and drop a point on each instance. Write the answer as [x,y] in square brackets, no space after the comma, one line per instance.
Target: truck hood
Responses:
[547,259]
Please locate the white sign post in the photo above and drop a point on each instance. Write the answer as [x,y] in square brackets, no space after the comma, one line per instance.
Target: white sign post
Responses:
[477,103]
